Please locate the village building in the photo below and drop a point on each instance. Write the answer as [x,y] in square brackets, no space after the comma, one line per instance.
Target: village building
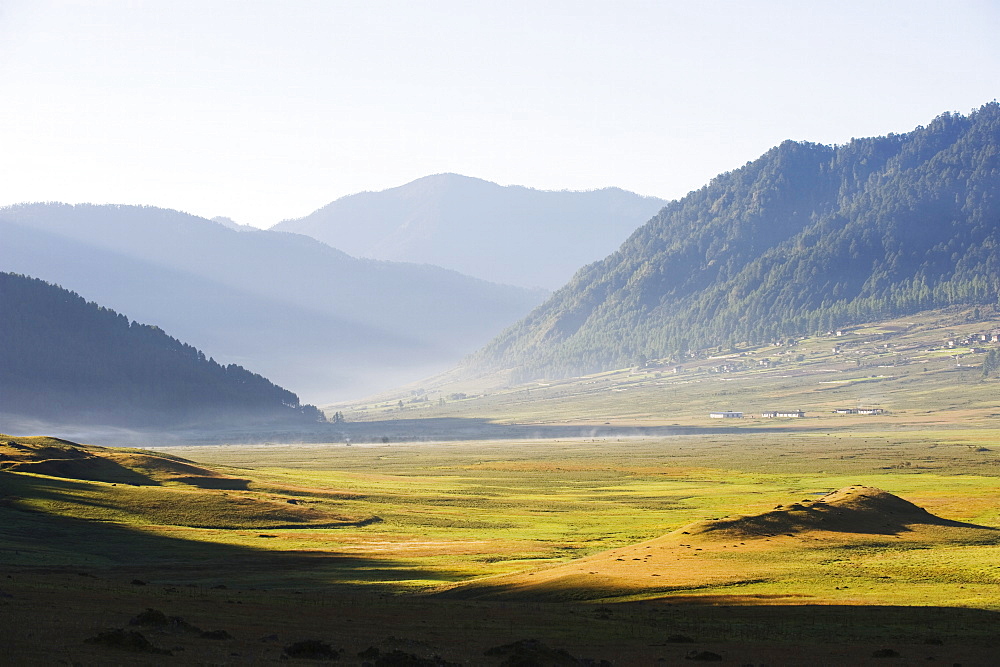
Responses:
[726,415]
[770,414]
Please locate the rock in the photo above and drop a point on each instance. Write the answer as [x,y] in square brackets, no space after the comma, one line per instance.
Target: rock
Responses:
[704,656]
[126,640]
[311,649]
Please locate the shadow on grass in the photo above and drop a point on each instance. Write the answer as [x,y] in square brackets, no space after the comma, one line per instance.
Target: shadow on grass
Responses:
[39,539]
[861,510]
[94,468]
[217,483]
[738,618]
[763,618]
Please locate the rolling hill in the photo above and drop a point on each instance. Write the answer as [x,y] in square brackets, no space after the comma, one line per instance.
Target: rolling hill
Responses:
[65,360]
[807,238]
[512,235]
[734,559]
[294,309]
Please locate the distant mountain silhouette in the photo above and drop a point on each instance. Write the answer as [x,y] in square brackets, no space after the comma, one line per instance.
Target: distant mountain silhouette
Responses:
[513,235]
[802,240]
[231,224]
[66,360]
[296,310]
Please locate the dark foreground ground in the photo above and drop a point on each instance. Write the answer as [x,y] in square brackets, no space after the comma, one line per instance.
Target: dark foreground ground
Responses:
[58,615]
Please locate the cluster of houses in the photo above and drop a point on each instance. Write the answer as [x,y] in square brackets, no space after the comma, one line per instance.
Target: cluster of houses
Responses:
[731,367]
[795,414]
[771,414]
[972,340]
[767,414]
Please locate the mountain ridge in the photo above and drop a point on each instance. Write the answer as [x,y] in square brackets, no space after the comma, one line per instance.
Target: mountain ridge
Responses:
[297,310]
[508,234]
[65,359]
[806,238]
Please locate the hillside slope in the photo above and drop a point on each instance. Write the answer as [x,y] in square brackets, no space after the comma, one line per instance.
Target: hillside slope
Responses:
[66,360]
[300,312]
[804,239]
[804,546]
[512,235]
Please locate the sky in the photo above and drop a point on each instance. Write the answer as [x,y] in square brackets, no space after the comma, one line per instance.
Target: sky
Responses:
[264,111]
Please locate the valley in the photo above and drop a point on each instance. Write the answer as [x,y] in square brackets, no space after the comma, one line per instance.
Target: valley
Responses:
[434,549]
[616,535]
[440,334]
[918,371]
[762,431]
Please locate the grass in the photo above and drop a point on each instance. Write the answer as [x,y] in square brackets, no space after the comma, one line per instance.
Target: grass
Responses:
[298,534]
[452,512]
[901,366]
[483,509]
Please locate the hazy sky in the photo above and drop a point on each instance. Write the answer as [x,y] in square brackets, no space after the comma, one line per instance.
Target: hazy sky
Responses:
[262,111]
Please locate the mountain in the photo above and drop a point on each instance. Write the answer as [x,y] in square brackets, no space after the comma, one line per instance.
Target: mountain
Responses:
[231,224]
[512,235]
[66,360]
[804,239]
[294,309]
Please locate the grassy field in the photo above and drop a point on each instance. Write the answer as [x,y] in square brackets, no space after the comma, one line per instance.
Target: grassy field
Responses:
[421,518]
[904,367]
[576,527]
[417,519]
[481,509]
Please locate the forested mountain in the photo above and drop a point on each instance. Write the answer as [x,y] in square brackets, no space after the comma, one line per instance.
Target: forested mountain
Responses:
[806,238]
[294,309]
[66,360]
[512,235]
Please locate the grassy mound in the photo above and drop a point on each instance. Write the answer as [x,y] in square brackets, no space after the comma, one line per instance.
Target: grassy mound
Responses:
[70,460]
[788,555]
[98,484]
[853,509]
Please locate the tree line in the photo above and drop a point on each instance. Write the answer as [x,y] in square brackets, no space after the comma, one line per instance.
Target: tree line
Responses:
[805,239]
[65,358]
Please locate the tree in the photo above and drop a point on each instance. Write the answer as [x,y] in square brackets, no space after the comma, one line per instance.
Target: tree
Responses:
[807,238]
[65,357]
[991,364]
[313,413]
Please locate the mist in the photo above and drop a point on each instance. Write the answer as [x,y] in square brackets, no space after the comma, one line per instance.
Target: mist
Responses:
[303,314]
